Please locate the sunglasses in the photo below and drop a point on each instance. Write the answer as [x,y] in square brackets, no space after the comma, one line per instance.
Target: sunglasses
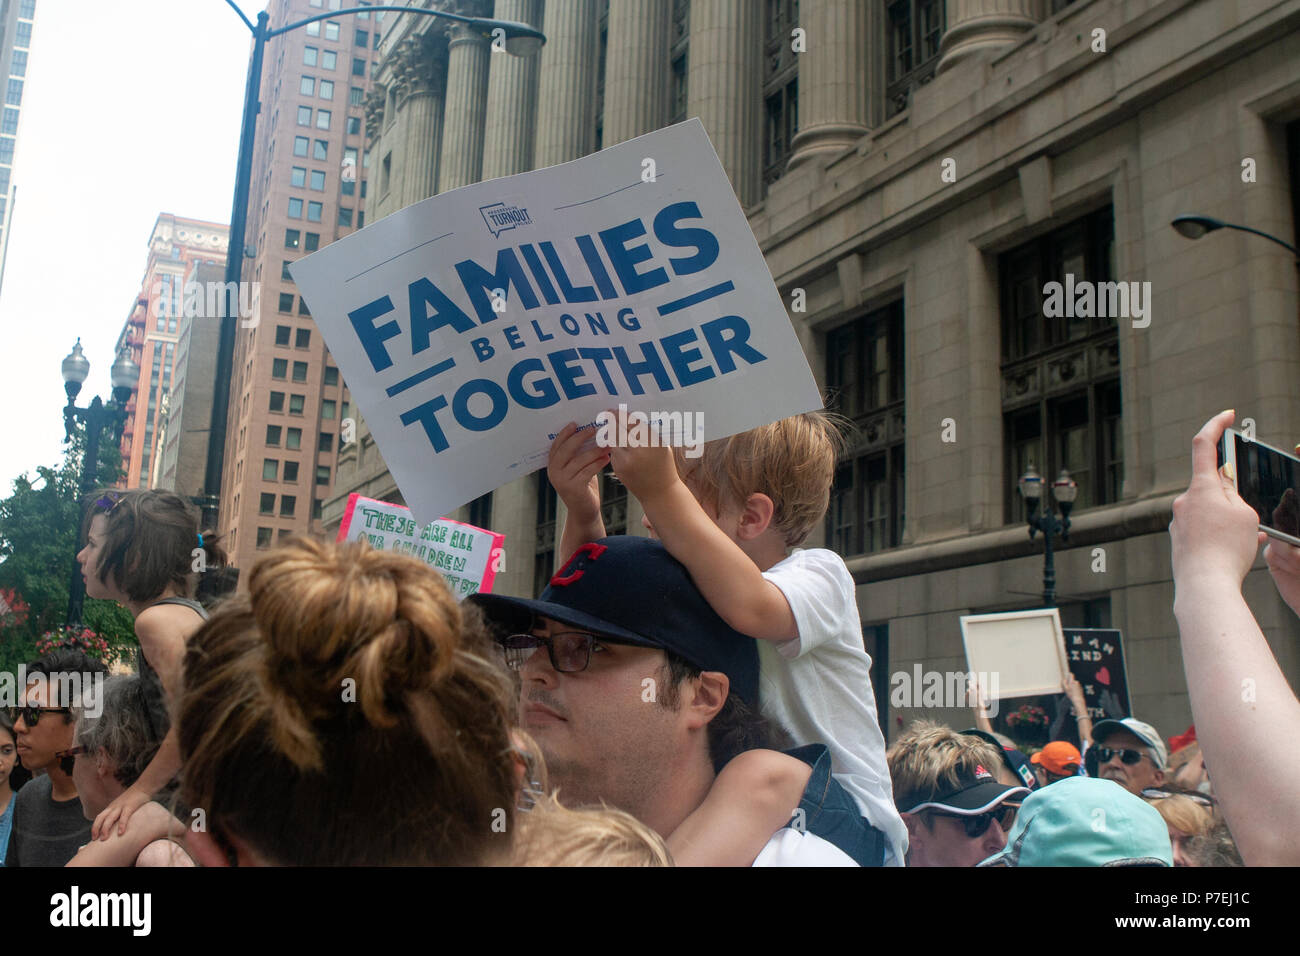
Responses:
[976,827]
[1151,793]
[1129,757]
[570,651]
[67,757]
[32,715]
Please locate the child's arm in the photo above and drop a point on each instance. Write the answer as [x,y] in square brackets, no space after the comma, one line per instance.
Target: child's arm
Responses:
[150,823]
[728,578]
[575,476]
[753,797]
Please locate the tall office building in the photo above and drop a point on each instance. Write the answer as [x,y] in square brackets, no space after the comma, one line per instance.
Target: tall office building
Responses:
[16,17]
[178,247]
[916,174]
[308,189]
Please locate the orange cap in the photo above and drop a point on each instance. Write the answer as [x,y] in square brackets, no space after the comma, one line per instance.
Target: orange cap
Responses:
[1059,757]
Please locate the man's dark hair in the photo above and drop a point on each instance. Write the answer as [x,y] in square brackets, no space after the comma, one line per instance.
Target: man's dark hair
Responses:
[734,729]
[64,660]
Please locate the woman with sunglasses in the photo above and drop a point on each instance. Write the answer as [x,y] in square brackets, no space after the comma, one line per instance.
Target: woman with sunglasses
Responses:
[144,550]
[111,751]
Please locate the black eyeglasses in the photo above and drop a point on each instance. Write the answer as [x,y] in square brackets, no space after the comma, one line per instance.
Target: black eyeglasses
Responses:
[32,715]
[1126,756]
[570,651]
[976,827]
[67,757]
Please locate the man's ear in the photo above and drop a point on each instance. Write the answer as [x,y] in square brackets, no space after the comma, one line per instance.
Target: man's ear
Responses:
[103,768]
[708,695]
[756,516]
[1160,778]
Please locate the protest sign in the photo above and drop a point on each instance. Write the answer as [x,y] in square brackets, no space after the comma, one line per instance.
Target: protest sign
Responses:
[1096,659]
[1025,649]
[472,326]
[467,557]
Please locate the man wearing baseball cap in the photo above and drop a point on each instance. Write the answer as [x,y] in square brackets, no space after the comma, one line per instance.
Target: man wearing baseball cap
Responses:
[1058,761]
[956,812]
[638,693]
[1129,752]
[1085,822]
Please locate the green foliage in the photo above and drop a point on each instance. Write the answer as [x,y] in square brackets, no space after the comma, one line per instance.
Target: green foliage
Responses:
[40,527]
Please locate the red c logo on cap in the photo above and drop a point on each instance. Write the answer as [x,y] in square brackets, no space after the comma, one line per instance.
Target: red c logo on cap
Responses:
[591,549]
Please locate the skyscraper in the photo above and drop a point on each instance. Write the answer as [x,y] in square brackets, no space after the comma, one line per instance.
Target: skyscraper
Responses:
[308,187]
[16,18]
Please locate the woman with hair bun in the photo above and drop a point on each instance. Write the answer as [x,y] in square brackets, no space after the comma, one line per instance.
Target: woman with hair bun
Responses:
[144,550]
[343,712]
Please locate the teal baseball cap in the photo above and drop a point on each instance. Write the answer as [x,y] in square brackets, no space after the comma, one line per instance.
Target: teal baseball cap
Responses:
[1085,821]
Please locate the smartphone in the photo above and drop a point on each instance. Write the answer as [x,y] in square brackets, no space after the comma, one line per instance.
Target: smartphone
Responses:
[1267,480]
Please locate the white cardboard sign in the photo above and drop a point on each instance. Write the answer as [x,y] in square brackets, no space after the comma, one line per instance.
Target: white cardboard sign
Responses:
[472,326]
[1026,649]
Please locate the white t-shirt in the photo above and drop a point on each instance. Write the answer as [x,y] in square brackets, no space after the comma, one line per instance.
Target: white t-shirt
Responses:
[818,686]
[791,847]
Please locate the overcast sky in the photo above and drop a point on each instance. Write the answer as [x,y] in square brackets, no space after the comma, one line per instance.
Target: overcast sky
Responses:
[130,109]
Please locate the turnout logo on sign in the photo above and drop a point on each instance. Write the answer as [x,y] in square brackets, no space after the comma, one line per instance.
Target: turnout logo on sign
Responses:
[500,217]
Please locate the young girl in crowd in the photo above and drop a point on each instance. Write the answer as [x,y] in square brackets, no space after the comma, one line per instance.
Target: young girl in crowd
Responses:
[732,517]
[144,550]
[8,758]
[343,713]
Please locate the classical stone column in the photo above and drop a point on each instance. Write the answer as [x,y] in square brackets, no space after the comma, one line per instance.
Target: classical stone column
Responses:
[834,105]
[566,87]
[511,98]
[724,87]
[636,68]
[975,25]
[423,67]
[467,78]
[374,120]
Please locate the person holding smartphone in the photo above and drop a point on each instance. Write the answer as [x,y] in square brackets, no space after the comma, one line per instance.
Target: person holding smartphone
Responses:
[1246,714]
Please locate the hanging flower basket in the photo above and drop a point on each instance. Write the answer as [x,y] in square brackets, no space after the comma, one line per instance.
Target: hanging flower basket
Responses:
[78,639]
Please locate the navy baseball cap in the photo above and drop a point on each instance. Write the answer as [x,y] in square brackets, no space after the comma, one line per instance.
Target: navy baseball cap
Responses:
[1014,759]
[633,591]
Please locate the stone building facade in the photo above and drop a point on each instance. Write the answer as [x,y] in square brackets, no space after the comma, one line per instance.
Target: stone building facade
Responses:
[917,174]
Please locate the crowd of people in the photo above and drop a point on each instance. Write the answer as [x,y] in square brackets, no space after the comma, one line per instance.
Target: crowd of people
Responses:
[699,697]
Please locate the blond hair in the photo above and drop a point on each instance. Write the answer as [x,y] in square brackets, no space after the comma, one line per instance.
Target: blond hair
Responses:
[552,834]
[792,461]
[1184,814]
[341,713]
[929,758]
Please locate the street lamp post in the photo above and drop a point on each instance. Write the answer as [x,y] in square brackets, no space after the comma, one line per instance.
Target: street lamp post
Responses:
[519,39]
[1065,490]
[96,417]
[1193,227]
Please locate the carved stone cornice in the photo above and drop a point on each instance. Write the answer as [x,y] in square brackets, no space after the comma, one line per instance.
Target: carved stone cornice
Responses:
[419,67]
[374,107]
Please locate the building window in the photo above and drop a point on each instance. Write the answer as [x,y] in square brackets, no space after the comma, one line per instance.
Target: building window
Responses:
[290,471]
[313,211]
[913,30]
[544,551]
[286,301]
[293,439]
[322,474]
[302,306]
[287,505]
[329,60]
[780,87]
[282,335]
[356,96]
[263,537]
[331,30]
[270,469]
[18,65]
[14,92]
[27,9]
[296,404]
[864,374]
[331,375]
[298,177]
[301,145]
[348,187]
[358,66]
[277,401]
[279,368]
[321,150]
[304,118]
[327,90]
[354,125]
[284,270]
[318,180]
[316,506]
[327,409]
[300,371]
[295,208]
[345,216]
[307,86]
[266,504]
[273,435]
[312,241]
[313,29]
[480,511]
[301,339]
[326,442]
[323,118]
[1060,375]
[385,170]
[310,55]
[10,122]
